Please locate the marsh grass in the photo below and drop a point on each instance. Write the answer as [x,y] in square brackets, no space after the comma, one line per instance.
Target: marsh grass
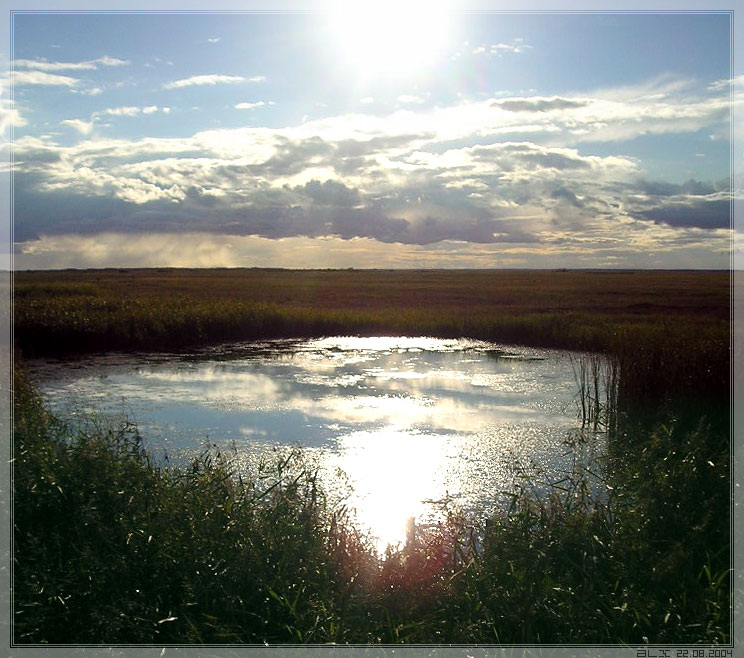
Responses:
[111,547]
[597,379]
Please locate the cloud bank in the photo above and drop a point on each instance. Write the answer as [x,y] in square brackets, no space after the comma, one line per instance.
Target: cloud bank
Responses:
[501,175]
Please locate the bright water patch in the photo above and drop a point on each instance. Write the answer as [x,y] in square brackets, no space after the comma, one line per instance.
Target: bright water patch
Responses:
[409,421]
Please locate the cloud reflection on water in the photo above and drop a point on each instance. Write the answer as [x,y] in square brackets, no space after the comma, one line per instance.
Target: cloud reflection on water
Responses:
[407,419]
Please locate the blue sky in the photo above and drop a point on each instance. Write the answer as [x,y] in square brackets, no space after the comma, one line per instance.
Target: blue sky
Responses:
[385,138]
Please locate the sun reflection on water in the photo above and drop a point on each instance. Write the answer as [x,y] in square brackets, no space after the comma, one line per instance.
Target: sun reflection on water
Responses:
[391,470]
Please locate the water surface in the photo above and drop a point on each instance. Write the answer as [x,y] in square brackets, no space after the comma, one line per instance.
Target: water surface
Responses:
[401,422]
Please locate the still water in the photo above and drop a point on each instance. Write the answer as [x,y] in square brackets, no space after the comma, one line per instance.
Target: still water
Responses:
[396,424]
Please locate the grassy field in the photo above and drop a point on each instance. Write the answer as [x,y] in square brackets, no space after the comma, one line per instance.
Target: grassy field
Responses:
[110,547]
[514,291]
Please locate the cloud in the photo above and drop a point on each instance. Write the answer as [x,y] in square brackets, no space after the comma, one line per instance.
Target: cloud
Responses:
[46,65]
[538,104]
[528,156]
[330,193]
[9,116]
[691,204]
[124,111]
[129,111]
[42,78]
[704,213]
[83,127]
[198,80]
[479,173]
[516,46]
[370,189]
[111,61]
[199,249]
[727,83]
[214,39]
[249,106]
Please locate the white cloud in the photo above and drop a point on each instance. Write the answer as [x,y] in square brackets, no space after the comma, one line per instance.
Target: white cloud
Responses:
[46,65]
[516,46]
[42,78]
[214,39]
[111,61]
[249,106]
[9,116]
[128,111]
[83,127]
[197,80]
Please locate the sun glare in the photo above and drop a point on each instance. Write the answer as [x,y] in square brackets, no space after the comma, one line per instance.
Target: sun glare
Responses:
[389,38]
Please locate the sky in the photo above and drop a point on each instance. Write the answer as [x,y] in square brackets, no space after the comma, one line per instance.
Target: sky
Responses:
[404,136]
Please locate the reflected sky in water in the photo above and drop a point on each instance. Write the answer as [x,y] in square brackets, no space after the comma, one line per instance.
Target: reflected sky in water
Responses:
[409,421]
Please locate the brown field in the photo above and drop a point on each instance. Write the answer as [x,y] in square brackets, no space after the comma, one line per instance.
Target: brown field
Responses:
[636,292]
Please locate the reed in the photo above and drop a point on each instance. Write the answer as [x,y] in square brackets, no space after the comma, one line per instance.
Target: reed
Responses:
[112,547]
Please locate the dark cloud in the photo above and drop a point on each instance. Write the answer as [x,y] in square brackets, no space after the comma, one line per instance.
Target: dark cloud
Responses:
[695,212]
[313,210]
[552,160]
[30,158]
[330,193]
[690,204]
[471,194]
[564,194]
[366,223]
[513,156]
[292,157]
[37,212]
[538,104]
[201,196]
[662,189]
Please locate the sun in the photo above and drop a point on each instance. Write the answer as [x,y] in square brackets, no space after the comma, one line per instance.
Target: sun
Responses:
[387,38]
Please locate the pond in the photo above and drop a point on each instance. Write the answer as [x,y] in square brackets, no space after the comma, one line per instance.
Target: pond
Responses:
[395,424]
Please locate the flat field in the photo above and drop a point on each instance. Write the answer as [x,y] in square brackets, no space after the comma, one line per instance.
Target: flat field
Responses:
[637,292]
